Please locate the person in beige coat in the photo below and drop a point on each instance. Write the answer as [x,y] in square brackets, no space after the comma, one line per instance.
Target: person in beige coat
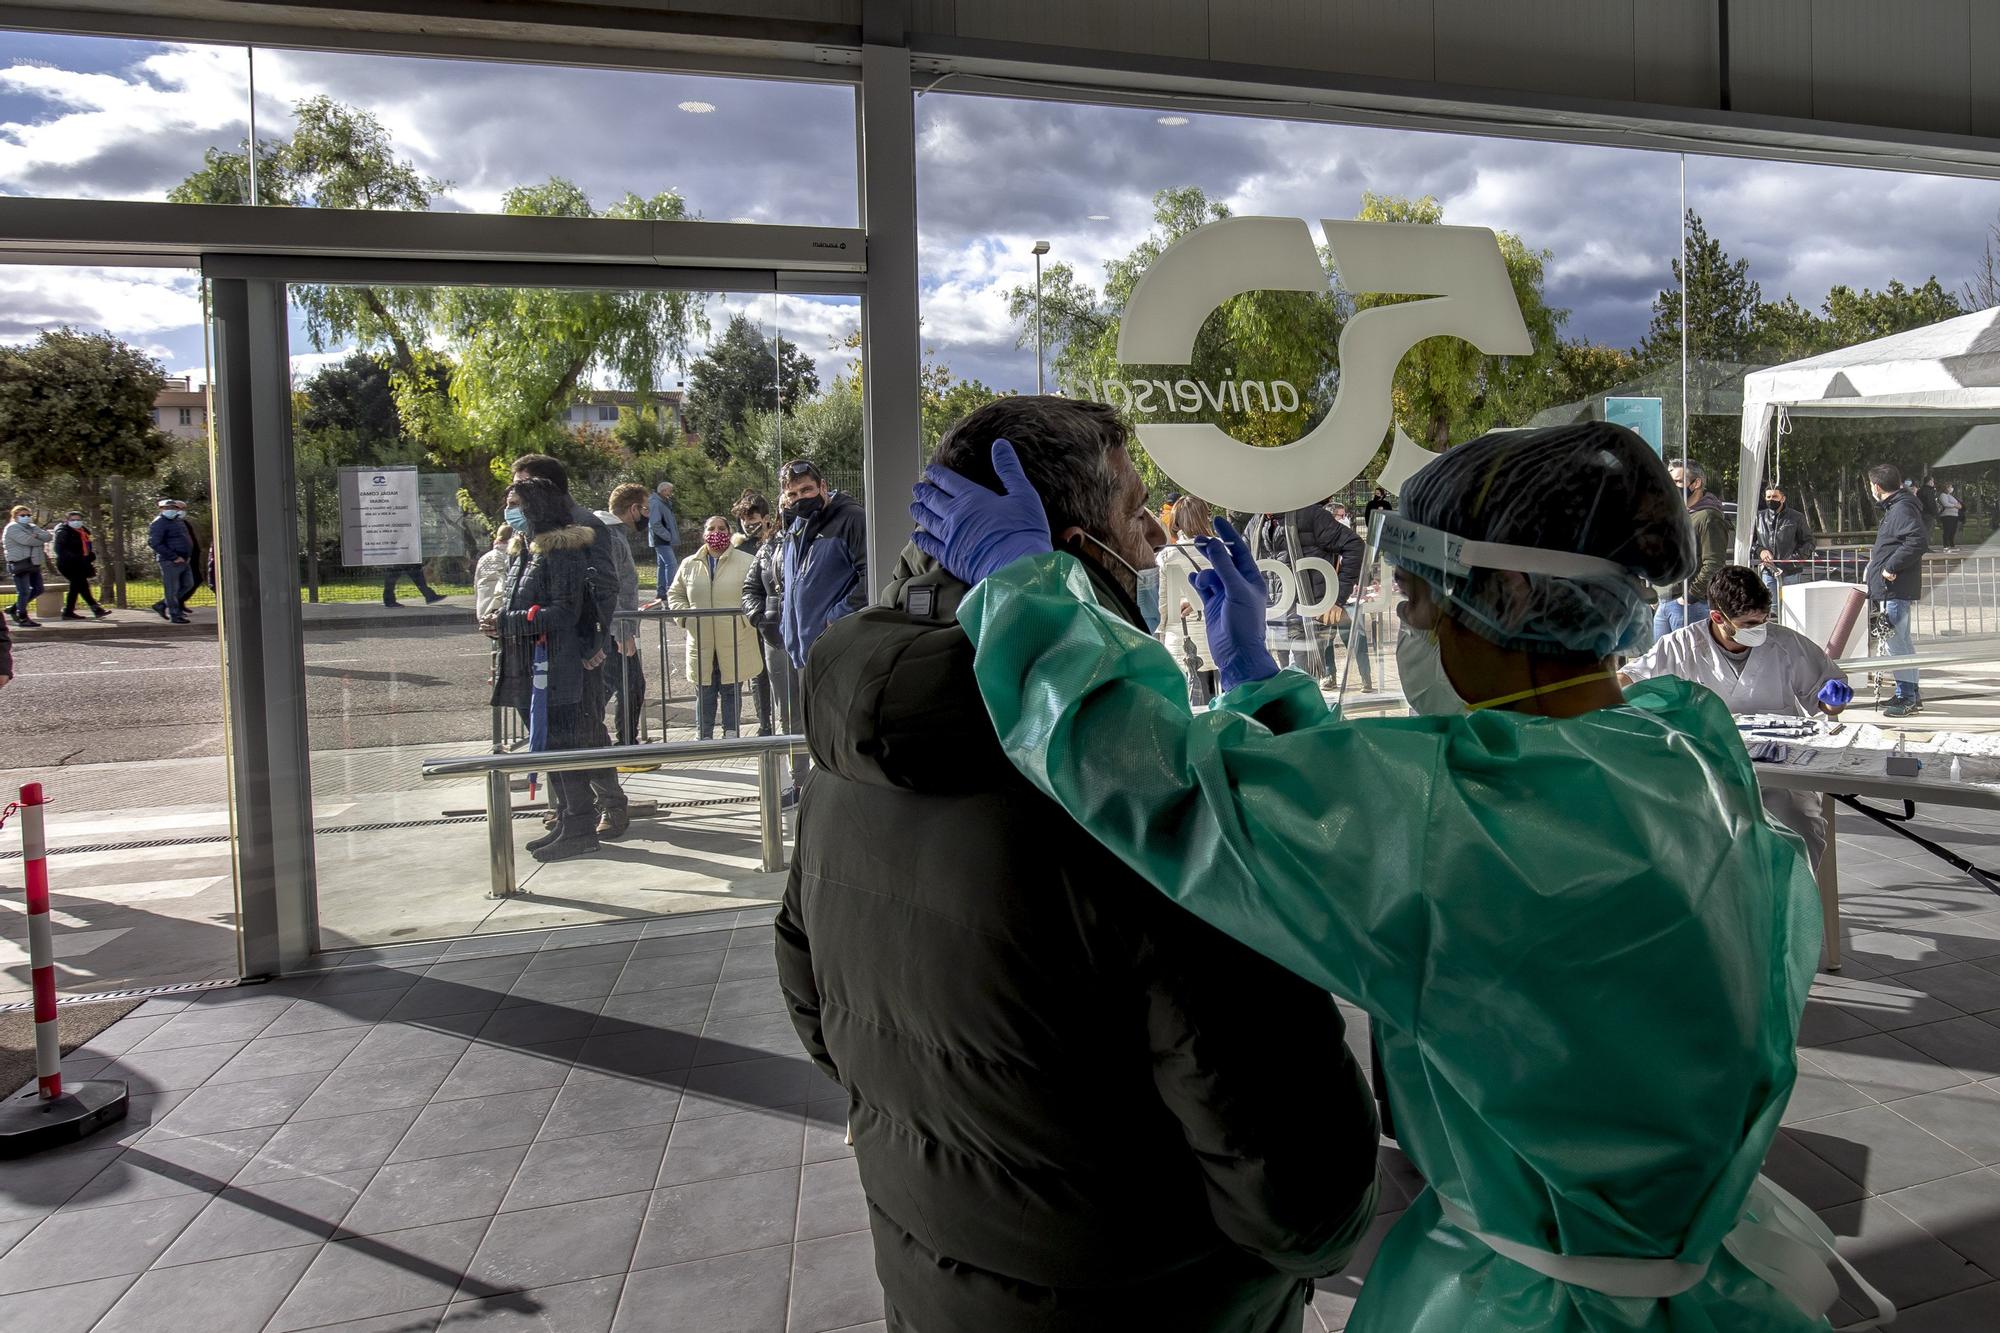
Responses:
[722,651]
[1182,628]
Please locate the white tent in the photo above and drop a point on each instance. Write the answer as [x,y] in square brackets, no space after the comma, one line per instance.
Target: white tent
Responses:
[1951,368]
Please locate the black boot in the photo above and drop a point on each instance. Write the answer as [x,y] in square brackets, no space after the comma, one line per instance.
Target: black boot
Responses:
[569,841]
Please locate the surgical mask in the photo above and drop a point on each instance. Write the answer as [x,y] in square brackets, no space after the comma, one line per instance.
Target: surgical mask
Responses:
[516,519]
[1420,666]
[76,523]
[1750,636]
[172,513]
[715,541]
[1092,537]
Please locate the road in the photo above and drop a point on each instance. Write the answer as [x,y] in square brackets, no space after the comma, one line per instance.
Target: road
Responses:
[109,697]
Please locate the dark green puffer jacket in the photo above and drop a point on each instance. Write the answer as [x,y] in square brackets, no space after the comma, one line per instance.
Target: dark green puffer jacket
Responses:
[1075,1107]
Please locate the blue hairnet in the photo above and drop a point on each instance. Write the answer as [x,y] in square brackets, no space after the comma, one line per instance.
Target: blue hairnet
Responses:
[1592,489]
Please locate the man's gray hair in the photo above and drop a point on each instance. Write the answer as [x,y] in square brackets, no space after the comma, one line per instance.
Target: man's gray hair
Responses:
[1690,470]
[1064,444]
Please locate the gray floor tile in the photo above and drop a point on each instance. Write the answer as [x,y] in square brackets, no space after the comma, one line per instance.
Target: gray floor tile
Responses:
[1825,1022]
[731,1145]
[672,972]
[364,980]
[40,1185]
[436,1189]
[177,1069]
[732,1293]
[300,1053]
[573,1307]
[494,972]
[486,1070]
[213,1110]
[642,1051]
[782,1080]
[554,956]
[1968,1044]
[718,922]
[528,1024]
[748,997]
[395,1043]
[728,1040]
[723,1216]
[327,1147]
[1880,1149]
[831,1202]
[678,1008]
[826,1130]
[1885,1067]
[1906,1262]
[1817,1093]
[593,1103]
[197,1028]
[566,1242]
[97,1242]
[1963,1211]
[521,944]
[236,1295]
[1887,1004]
[158,1168]
[376,1088]
[314,1014]
[592,1166]
[834,1284]
[744,961]
[378,1275]
[476,1123]
[10,1232]
[1967,1118]
[560,984]
[123,1035]
[1890,952]
[1967,986]
[1975,1311]
[75,1308]
[409,1321]
[275,1215]
[665,946]
[434,998]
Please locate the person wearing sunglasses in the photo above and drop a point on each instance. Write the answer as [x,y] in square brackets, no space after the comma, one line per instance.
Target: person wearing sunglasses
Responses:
[825,567]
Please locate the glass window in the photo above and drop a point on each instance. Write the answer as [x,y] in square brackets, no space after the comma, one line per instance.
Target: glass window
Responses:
[607,412]
[187,416]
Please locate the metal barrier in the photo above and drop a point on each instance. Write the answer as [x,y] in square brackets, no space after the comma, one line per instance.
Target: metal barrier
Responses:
[770,753]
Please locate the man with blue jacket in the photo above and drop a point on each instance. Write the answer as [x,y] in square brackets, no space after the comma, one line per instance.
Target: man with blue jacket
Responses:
[663,534]
[173,546]
[826,557]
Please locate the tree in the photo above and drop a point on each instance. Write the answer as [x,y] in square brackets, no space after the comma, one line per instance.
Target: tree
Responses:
[354,397]
[1722,307]
[80,404]
[1982,290]
[943,399]
[742,373]
[826,429]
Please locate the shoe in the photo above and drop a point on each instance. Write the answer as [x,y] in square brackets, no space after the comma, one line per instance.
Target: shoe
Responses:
[99,614]
[28,622]
[71,615]
[562,849]
[1903,708]
[394,604]
[613,823]
[160,610]
[550,819]
[1328,683]
[553,827]
[181,620]
[433,598]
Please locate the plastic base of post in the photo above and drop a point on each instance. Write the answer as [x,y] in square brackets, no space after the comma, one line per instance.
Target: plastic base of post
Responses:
[31,1123]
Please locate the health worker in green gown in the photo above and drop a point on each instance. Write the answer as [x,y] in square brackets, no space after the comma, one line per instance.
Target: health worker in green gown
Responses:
[1584,949]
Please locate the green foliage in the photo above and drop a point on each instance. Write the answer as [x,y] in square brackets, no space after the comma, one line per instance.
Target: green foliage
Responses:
[741,374]
[826,429]
[80,404]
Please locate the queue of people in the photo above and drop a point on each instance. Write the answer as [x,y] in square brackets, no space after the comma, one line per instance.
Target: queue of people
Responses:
[28,549]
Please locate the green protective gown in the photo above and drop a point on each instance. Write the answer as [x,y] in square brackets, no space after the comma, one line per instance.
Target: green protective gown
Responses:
[1585,949]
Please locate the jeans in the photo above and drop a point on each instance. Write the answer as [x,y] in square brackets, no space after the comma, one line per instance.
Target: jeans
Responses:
[1356,639]
[1950,524]
[1671,615]
[1896,611]
[1773,581]
[664,567]
[27,587]
[394,575]
[711,693]
[178,584]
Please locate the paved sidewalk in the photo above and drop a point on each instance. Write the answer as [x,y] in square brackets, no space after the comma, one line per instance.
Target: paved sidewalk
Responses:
[139,621]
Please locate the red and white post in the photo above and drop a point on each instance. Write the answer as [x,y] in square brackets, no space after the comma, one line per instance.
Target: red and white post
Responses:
[41,943]
[51,1114]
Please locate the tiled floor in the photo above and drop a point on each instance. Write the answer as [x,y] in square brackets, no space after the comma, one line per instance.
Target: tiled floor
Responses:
[612,1129]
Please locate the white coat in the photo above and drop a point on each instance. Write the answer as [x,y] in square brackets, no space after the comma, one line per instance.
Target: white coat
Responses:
[1781,675]
[1181,633]
[725,642]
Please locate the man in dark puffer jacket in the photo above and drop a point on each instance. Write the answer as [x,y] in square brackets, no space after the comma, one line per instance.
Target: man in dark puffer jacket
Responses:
[1074,1106]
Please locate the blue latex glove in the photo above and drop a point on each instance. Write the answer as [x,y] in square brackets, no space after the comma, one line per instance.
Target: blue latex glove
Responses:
[971,531]
[1836,694]
[1233,599]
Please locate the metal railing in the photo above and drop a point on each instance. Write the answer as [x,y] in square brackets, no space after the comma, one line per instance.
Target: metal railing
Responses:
[770,752]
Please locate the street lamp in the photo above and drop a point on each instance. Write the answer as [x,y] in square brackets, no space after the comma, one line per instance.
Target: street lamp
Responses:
[1041,248]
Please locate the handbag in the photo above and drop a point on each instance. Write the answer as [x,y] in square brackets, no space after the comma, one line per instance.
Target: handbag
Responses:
[27,566]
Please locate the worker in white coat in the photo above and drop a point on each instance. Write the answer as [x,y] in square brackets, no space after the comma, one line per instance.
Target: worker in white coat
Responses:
[1756,666]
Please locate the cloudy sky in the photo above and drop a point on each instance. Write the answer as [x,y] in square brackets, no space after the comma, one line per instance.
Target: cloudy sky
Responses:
[127,120]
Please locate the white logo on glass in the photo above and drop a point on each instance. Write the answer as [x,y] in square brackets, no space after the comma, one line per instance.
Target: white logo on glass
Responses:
[1460,270]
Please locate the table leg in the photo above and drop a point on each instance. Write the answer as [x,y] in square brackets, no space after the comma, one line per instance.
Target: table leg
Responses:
[1828,875]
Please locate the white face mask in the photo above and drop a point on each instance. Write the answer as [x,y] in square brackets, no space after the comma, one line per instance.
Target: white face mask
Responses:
[1420,665]
[76,522]
[1750,636]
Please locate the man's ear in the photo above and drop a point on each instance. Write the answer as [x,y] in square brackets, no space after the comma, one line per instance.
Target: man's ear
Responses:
[1068,535]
